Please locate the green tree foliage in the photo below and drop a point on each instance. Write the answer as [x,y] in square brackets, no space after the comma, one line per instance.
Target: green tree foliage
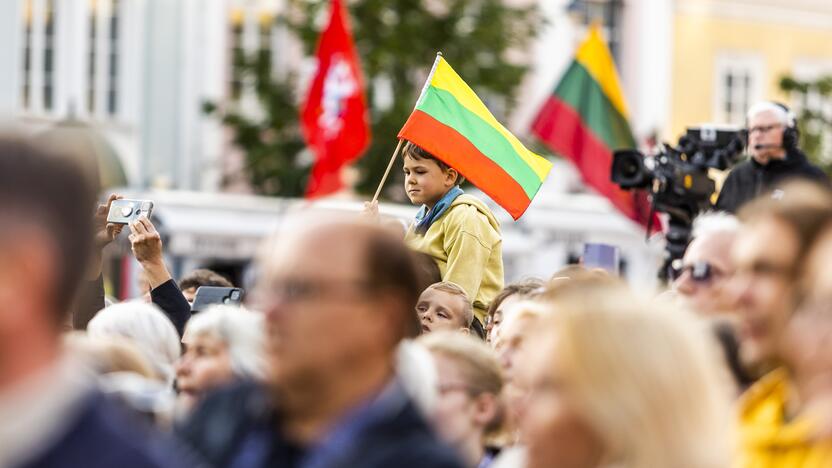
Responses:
[397,41]
[271,141]
[815,125]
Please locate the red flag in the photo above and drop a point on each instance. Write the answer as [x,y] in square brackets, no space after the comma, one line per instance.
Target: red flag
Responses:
[334,116]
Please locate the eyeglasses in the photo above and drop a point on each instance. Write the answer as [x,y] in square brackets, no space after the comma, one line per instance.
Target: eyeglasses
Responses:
[301,290]
[700,272]
[763,128]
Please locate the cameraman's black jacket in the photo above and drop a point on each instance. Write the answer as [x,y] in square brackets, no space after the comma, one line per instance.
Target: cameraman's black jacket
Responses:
[749,178]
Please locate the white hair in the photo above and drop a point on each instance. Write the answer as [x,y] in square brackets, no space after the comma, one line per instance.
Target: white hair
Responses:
[712,222]
[784,116]
[417,373]
[241,331]
[147,327]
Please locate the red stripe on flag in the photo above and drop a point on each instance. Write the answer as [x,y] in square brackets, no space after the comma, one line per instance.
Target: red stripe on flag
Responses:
[455,150]
[561,128]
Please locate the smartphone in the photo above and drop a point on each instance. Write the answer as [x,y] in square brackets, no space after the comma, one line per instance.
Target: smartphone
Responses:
[126,211]
[210,295]
[601,256]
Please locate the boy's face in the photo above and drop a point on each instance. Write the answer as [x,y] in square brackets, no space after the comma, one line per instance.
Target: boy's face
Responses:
[440,311]
[426,182]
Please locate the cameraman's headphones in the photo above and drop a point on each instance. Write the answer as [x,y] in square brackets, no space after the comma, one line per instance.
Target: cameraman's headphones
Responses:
[790,134]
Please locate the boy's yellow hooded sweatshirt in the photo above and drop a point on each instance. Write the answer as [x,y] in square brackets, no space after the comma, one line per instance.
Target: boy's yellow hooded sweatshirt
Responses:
[466,244]
[768,439]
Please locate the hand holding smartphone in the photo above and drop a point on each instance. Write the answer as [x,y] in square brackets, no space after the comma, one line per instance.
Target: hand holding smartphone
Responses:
[126,211]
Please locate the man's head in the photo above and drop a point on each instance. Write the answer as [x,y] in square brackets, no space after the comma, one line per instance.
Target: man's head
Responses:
[46,238]
[767,122]
[768,253]
[426,178]
[707,264]
[807,342]
[201,277]
[806,346]
[444,306]
[338,297]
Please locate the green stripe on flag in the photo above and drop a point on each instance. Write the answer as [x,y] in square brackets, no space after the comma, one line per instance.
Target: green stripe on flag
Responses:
[581,92]
[443,106]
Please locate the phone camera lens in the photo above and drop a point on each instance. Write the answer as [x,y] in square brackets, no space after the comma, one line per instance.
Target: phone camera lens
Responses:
[235,295]
[125,211]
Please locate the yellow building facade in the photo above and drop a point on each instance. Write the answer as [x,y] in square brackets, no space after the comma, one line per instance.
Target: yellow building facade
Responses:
[728,54]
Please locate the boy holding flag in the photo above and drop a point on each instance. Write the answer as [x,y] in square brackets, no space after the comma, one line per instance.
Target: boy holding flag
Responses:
[450,135]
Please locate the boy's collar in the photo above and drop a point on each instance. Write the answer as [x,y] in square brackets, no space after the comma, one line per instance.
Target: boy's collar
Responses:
[425,217]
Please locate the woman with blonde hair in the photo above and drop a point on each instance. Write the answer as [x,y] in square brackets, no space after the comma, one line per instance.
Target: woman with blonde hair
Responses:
[615,382]
[469,404]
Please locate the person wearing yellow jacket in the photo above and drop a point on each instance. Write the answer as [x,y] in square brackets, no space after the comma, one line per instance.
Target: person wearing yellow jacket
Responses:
[769,438]
[784,297]
[456,229]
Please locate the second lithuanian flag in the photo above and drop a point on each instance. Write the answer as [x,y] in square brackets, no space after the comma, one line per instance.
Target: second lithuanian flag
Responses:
[454,125]
[585,120]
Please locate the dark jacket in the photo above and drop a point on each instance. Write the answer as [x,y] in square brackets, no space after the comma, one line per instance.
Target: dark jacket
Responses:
[170,299]
[105,435]
[239,427]
[749,179]
[89,301]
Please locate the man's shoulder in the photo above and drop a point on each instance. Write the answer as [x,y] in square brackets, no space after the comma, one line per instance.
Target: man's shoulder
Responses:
[104,434]
[742,168]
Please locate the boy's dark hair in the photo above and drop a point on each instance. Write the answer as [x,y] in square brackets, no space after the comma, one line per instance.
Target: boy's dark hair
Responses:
[414,151]
[51,193]
[523,288]
[203,277]
[428,267]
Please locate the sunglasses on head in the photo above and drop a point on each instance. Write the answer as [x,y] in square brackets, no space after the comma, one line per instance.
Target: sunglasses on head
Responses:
[700,272]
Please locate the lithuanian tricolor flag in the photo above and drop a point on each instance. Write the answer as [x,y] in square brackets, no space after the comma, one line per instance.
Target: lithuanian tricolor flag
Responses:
[585,120]
[453,124]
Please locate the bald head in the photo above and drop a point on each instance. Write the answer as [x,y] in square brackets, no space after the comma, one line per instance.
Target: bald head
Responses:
[338,297]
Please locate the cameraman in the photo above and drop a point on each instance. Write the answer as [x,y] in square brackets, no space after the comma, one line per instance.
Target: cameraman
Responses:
[775,157]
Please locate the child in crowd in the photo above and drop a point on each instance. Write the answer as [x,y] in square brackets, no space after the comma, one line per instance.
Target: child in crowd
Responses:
[469,409]
[456,229]
[444,306]
[512,293]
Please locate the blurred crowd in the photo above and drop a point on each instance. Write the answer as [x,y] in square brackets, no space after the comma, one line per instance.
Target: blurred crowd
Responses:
[360,347]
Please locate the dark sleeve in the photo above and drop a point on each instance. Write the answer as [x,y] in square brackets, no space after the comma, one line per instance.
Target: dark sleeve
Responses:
[170,299]
[216,427]
[88,303]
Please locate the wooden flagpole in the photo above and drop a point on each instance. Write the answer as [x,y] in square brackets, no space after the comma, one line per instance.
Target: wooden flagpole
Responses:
[399,146]
[387,172]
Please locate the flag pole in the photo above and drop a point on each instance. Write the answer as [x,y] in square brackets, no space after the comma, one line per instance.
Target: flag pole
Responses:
[399,145]
[387,172]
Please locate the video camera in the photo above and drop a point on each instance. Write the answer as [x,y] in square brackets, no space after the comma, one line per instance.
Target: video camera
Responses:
[677,179]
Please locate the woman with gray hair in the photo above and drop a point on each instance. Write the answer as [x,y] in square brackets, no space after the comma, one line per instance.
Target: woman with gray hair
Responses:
[147,327]
[222,344]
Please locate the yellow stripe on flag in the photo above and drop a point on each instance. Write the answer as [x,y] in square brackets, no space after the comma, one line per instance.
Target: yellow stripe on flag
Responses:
[445,78]
[594,55]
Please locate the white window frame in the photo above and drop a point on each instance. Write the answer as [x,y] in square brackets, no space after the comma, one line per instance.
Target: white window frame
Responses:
[737,64]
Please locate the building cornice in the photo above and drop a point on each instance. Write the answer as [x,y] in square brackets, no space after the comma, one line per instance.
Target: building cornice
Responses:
[800,13]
